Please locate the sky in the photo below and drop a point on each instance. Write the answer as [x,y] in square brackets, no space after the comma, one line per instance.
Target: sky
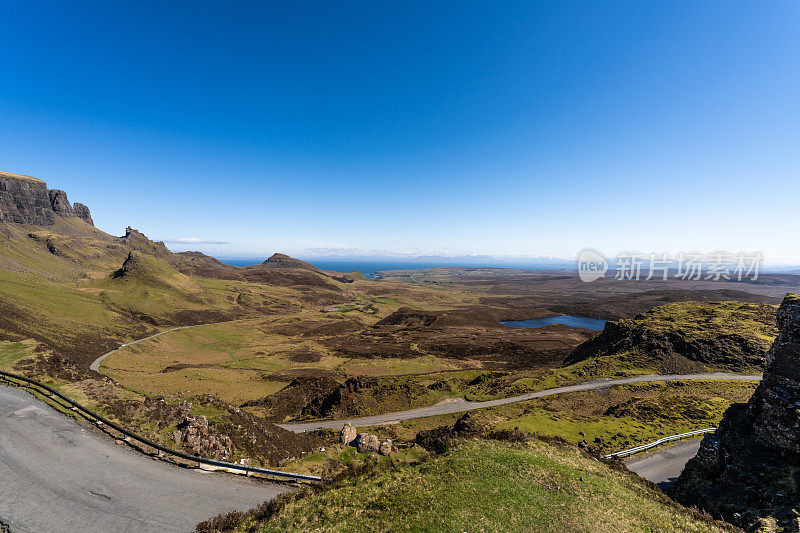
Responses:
[382,129]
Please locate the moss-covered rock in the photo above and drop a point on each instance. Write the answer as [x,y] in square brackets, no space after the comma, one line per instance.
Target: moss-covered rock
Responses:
[689,336]
[748,471]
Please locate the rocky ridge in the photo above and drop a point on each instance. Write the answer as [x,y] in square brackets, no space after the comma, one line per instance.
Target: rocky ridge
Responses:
[686,337]
[60,203]
[27,200]
[746,472]
[82,212]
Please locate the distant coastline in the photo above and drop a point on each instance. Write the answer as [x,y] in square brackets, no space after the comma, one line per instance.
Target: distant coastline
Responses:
[367,267]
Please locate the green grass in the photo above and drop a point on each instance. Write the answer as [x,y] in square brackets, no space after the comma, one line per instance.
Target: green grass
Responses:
[213,414]
[386,300]
[616,431]
[394,366]
[11,352]
[621,416]
[235,386]
[69,303]
[704,320]
[247,345]
[490,486]
[243,354]
[628,415]
[337,457]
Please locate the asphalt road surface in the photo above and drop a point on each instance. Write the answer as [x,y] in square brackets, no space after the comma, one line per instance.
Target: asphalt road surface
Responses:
[458,406]
[56,476]
[664,466]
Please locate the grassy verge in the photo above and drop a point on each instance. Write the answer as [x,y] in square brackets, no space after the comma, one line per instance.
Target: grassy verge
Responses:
[486,486]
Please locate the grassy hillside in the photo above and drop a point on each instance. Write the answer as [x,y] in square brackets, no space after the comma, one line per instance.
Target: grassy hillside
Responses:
[78,291]
[686,337]
[386,371]
[319,344]
[482,486]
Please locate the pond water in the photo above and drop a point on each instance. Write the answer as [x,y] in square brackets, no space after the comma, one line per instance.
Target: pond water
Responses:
[568,320]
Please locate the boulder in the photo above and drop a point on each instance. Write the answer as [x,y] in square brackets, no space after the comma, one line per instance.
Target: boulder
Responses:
[348,434]
[367,443]
[386,447]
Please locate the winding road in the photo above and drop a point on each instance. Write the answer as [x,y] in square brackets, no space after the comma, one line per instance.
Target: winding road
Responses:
[661,467]
[459,406]
[58,476]
[95,366]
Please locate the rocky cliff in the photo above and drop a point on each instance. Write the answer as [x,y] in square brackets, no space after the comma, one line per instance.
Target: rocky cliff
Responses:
[82,212]
[27,200]
[686,337]
[24,200]
[748,472]
[60,203]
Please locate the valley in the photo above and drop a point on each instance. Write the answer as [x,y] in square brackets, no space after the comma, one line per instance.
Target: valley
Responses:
[446,267]
[250,358]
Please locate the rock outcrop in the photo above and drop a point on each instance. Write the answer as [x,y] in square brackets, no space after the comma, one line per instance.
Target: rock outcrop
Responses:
[747,471]
[408,318]
[687,337]
[60,203]
[361,396]
[136,240]
[82,212]
[24,200]
[27,200]
[289,402]
[194,435]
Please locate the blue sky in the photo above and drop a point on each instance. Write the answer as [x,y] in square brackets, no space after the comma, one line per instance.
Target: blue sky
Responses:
[371,128]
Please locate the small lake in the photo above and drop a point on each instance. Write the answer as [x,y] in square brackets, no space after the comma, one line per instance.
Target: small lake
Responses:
[568,320]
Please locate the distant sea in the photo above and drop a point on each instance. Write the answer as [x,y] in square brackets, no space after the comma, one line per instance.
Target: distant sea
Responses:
[370,267]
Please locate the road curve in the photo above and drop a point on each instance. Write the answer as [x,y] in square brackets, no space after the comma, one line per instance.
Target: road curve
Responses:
[57,476]
[665,465]
[447,407]
[95,366]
